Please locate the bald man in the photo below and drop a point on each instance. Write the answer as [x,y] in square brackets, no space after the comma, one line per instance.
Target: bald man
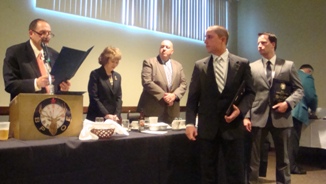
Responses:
[164,84]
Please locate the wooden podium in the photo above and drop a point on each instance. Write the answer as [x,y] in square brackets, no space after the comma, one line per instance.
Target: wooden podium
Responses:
[43,116]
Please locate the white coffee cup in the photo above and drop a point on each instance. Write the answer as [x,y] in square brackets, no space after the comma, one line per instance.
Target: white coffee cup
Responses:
[134,124]
[175,124]
[182,124]
[152,119]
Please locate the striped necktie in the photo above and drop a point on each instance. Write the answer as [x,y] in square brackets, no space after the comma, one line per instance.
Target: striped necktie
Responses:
[219,73]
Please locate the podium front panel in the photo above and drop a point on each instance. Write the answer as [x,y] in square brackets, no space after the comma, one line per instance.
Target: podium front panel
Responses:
[43,116]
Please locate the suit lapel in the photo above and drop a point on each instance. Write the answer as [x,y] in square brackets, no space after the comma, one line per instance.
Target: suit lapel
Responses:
[262,72]
[106,78]
[206,64]
[174,74]
[278,66]
[211,75]
[32,59]
[233,70]
[115,83]
[108,84]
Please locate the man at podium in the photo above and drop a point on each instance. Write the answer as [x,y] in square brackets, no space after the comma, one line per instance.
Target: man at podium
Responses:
[27,65]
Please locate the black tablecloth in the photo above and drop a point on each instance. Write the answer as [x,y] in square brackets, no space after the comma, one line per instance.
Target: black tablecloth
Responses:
[137,158]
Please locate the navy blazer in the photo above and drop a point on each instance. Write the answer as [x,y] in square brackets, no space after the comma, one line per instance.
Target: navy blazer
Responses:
[20,69]
[103,97]
[205,99]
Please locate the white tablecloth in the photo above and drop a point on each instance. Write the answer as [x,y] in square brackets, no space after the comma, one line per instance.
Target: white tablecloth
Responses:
[314,135]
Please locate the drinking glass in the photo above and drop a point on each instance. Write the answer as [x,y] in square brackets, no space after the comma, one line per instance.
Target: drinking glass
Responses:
[126,124]
[99,119]
[4,130]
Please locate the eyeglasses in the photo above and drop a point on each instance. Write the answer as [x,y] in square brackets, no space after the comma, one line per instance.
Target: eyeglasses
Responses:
[44,33]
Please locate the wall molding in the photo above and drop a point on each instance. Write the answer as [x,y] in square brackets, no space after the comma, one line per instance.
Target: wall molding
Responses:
[4,110]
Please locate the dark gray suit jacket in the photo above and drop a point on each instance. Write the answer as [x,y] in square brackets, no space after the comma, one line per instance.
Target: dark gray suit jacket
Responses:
[20,69]
[103,97]
[285,71]
[205,100]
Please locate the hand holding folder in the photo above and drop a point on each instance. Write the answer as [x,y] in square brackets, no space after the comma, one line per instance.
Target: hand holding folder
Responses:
[236,99]
[280,91]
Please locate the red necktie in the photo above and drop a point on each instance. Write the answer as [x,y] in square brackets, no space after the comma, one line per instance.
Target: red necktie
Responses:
[41,66]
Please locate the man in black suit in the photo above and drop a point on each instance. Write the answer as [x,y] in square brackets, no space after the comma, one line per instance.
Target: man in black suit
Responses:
[209,97]
[21,69]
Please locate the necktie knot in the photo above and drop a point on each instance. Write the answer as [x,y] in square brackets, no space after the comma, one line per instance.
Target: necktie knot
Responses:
[40,55]
[269,63]
[219,60]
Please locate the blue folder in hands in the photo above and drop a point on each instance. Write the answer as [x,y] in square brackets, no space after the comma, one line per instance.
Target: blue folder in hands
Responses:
[67,64]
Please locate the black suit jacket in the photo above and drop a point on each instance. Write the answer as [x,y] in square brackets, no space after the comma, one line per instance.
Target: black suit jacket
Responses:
[103,97]
[20,69]
[205,99]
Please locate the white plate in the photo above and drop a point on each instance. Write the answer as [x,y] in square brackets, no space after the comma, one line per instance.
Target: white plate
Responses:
[158,126]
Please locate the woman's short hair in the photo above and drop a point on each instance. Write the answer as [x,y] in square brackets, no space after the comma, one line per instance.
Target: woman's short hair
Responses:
[108,54]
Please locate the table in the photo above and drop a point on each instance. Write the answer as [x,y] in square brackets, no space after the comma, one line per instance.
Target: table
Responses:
[314,135]
[138,158]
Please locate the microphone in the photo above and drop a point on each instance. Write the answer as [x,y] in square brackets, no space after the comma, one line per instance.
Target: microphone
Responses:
[45,52]
[47,66]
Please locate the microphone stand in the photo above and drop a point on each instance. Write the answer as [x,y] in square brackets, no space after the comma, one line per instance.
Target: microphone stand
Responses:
[48,67]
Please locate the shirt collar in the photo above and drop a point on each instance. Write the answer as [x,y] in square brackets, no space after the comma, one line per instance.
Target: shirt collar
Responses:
[168,62]
[35,50]
[224,56]
[272,60]
[164,61]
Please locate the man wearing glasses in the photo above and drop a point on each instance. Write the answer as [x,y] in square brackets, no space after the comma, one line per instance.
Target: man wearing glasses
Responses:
[24,70]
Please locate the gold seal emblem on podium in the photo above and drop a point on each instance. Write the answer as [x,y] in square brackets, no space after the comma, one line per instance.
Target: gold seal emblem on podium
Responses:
[52,116]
